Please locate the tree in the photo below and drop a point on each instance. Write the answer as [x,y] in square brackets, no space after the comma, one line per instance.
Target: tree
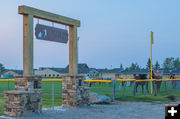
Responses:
[168,63]
[176,63]
[134,66]
[2,69]
[157,66]
[121,66]
[148,65]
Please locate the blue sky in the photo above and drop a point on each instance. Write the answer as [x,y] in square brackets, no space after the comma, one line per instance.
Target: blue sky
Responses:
[112,32]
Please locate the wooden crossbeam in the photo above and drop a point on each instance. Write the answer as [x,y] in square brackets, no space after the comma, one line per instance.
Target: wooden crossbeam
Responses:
[25,10]
[28,14]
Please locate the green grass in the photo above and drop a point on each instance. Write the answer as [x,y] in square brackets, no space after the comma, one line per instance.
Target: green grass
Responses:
[46,94]
[46,102]
[162,97]
[127,91]
[124,94]
[1,105]
[47,88]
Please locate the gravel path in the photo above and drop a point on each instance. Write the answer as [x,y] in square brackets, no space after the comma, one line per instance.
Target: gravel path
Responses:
[117,110]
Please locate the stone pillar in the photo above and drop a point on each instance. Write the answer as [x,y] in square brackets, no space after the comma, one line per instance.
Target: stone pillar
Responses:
[74,93]
[25,99]
[28,83]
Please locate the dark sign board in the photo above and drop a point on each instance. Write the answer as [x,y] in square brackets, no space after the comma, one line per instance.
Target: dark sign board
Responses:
[49,33]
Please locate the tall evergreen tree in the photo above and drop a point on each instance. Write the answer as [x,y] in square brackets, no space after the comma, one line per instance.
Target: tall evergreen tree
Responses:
[2,69]
[176,64]
[148,65]
[157,66]
[168,63]
[134,66]
[121,66]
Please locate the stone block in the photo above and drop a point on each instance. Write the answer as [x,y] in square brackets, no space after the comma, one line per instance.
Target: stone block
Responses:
[25,99]
[74,93]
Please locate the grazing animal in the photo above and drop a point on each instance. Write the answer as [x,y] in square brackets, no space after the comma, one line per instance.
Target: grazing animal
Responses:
[93,83]
[142,84]
[156,83]
[172,76]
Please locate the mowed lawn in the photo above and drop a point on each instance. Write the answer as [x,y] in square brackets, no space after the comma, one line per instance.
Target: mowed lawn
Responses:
[121,93]
[46,94]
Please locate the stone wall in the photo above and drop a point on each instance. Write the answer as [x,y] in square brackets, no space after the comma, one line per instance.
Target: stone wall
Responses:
[25,99]
[74,93]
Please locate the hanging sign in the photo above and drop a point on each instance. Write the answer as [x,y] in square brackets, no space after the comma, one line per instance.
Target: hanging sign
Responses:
[49,33]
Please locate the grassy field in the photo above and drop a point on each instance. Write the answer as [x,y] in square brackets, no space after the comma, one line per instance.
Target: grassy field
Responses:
[122,94]
[162,97]
[46,92]
[46,102]
[126,91]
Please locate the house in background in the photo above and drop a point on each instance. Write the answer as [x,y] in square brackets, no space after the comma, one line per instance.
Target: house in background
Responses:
[109,73]
[167,73]
[126,74]
[12,73]
[82,68]
[56,72]
[164,73]
[93,73]
[48,72]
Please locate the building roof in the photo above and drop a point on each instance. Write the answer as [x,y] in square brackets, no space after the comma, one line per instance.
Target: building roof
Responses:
[171,71]
[140,71]
[115,70]
[82,68]
[57,69]
[20,72]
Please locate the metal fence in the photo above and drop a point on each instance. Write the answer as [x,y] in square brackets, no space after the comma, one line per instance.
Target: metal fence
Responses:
[52,88]
[122,88]
[51,91]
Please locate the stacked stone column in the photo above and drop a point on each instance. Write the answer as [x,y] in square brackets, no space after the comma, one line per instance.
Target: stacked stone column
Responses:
[25,99]
[74,93]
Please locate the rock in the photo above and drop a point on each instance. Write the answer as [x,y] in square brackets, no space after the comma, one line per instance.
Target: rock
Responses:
[99,99]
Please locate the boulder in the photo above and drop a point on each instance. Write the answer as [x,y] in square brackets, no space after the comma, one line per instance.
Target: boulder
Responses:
[99,99]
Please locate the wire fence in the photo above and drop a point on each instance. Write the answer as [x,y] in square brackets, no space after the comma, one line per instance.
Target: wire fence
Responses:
[114,88]
[131,87]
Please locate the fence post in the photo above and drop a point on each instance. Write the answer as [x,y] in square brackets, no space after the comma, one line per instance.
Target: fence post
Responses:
[113,89]
[165,86]
[134,89]
[52,94]
[146,88]
[8,84]
[155,88]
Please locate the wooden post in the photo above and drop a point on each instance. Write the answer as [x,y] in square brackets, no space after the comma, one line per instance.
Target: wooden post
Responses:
[28,14]
[113,89]
[151,60]
[28,45]
[73,51]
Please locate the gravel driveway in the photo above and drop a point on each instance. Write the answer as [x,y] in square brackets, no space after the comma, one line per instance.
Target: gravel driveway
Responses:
[117,110]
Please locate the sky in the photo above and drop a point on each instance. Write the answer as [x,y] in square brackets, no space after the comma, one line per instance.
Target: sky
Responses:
[112,32]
